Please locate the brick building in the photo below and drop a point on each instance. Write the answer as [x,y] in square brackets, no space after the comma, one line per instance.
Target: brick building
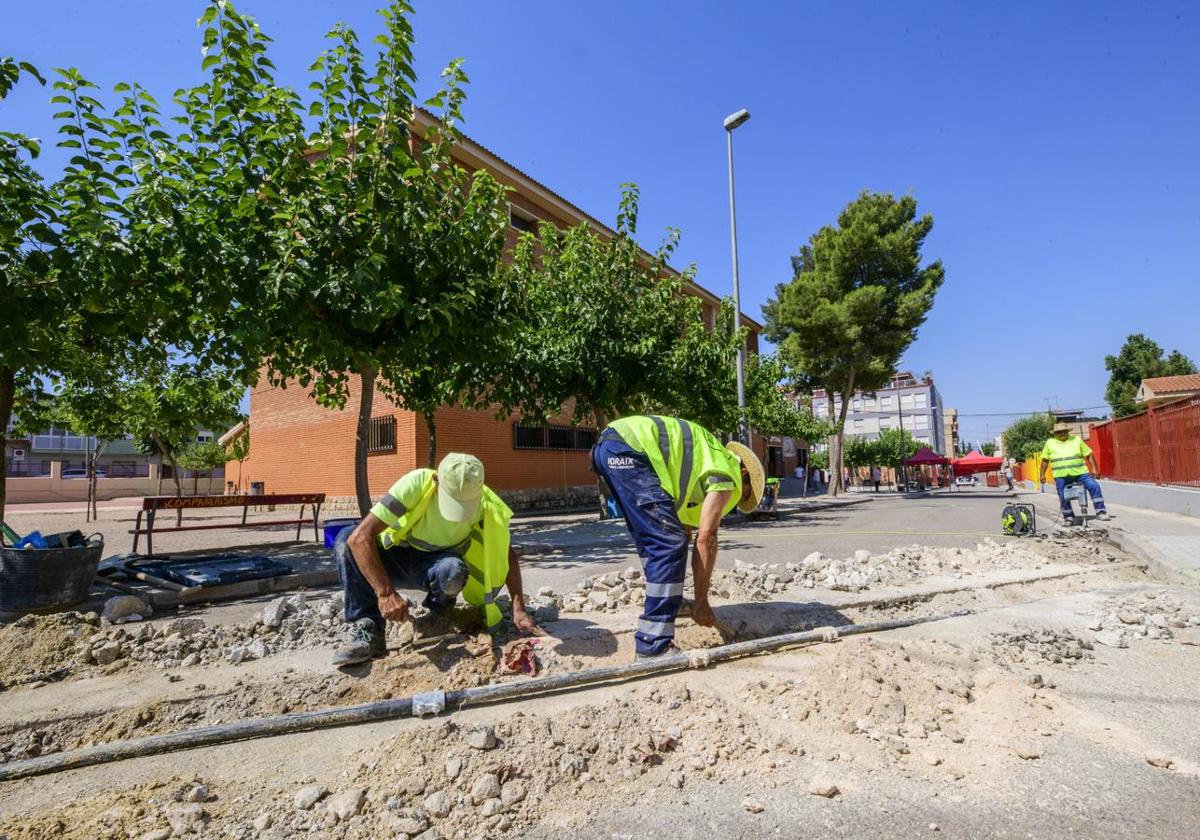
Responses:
[296,445]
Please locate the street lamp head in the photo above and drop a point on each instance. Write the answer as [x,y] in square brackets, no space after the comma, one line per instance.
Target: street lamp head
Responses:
[736,118]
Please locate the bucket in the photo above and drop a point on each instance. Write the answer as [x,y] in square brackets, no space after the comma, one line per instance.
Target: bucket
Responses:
[333,527]
[47,578]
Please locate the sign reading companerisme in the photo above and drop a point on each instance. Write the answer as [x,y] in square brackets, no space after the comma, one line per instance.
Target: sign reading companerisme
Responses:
[192,502]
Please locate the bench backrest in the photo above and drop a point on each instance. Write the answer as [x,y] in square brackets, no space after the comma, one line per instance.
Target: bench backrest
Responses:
[196,502]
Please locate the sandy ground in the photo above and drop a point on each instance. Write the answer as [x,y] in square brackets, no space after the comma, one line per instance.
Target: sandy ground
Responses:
[1008,721]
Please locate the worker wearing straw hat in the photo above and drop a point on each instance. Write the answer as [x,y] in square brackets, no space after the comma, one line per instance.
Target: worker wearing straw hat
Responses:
[1069,458]
[669,473]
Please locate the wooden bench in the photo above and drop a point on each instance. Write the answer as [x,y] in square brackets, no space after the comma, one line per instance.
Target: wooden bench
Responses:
[151,505]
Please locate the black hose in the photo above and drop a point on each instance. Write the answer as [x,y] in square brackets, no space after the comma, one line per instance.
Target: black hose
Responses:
[225,733]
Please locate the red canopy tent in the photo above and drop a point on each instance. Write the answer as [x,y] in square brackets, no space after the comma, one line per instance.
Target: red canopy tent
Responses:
[976,462]
[925,457]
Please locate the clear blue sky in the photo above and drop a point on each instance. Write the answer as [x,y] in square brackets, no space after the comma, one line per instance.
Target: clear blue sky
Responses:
[1055,144]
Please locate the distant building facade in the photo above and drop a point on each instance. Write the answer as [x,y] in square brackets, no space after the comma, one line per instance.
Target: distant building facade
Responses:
[950,431]
[908,403]
[1162,389]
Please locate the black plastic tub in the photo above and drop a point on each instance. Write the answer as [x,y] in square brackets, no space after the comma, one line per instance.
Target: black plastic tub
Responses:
[33,579]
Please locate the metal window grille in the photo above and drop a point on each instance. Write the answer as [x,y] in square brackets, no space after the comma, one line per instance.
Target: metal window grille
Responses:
[381,435]
[553,437]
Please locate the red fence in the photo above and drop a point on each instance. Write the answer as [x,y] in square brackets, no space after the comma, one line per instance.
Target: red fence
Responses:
[1161,445]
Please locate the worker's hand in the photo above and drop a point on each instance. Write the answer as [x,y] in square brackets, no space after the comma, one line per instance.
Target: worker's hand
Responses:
[703,614]
[523,621]
[394,606]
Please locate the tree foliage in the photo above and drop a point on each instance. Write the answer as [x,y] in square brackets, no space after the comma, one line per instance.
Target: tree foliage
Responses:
[1139,358]
[614,329]
[988,449]
[1026,437]
[857,297]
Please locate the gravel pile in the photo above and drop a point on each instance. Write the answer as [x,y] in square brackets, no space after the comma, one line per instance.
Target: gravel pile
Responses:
[1150,615]
[1027,645]
[603,593]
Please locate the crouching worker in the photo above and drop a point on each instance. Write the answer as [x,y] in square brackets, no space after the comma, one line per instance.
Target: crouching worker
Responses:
[444,532]
[668,473]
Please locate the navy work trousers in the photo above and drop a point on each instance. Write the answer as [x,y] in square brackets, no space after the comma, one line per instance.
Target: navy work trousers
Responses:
[657,532]
[441,574]
[1090,484]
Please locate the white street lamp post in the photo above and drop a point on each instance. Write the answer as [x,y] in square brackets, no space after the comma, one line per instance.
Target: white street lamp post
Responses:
[731,122]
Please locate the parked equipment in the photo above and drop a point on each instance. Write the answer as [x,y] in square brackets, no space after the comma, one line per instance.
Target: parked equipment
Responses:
[769,504]
[1019,520]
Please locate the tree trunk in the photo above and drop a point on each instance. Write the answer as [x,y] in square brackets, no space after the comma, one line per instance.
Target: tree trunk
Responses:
[163,455]
[7,394]
[366,399]
[92,506]
[431,427]
[158,491]
[837,465]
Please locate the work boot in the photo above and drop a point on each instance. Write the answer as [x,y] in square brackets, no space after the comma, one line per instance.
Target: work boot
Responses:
[430,624]
[669,650]
[1103,516]
[364,642]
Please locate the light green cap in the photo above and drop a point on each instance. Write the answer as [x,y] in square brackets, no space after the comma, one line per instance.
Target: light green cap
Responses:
[460,486]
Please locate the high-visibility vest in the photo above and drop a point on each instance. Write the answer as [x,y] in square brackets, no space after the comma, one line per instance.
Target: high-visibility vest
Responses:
[487,555]
[1066,457]
[683,455]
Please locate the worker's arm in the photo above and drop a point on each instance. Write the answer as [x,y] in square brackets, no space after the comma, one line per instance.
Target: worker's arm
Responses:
[364,551]
[704,556]
[1092,465]
[522,620]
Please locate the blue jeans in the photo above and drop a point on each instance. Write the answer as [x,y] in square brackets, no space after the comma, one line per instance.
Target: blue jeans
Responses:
[657,532]
[441,574]
[1090,484]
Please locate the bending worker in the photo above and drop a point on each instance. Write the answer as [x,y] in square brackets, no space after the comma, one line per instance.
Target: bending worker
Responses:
[668,473]
[444,532]
[1068,457]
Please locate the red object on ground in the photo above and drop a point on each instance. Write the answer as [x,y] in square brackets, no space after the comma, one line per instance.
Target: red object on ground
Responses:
[518,657]
[925,457]
[976,462]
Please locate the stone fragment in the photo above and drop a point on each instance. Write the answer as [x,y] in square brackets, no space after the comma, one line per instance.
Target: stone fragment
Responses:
[862,556]
[953,733]
[409,821]
[438,804]
[197,793]
[263,821]
[273,613]
[348,803]
[107,653]
[822,786]
[1028,749]
[1155,759]
[1112,638]
[676,781]
[752,805]
[546,592]
[238,654]
[157,834]
[190,660]
[486,786]
[308,796]
[123,606]
[453,768]
[184,819]
[491,808]
[183,626]
[512,793]
[481,738]
[257,649]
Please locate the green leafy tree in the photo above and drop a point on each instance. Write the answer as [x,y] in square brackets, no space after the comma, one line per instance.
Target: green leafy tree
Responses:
[988,449]
[385,246]
[858,295]
[36,305]
[1139,358]
[202,457]
[1026,437]
[613,329]
[893,446]
[861,452]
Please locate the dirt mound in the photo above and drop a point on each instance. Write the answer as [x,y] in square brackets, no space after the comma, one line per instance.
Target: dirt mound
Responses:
[35,648]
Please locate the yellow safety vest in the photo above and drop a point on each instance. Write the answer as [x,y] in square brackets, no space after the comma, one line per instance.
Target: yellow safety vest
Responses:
[686,457]
[487,555]
[1066,457]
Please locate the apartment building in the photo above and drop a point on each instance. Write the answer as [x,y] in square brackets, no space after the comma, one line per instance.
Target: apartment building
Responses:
[298,446]
[950,431]
[908,403]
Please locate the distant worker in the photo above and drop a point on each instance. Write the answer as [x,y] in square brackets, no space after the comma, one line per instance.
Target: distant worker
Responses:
[444,532]
[1069,458]
[670,473]
[876,476]
[1008,476]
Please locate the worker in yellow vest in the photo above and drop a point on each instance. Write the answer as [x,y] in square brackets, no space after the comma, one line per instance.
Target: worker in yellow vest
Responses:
[444,532]
[669,473]
[1068,458]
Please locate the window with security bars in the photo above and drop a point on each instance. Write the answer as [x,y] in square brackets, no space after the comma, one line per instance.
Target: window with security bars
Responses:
[381,435]
[553,437]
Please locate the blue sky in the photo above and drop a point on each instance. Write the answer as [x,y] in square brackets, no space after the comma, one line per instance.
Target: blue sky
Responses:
[1054,144]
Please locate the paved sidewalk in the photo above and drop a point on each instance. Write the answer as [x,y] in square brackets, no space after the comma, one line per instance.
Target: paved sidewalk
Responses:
[1170,541]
